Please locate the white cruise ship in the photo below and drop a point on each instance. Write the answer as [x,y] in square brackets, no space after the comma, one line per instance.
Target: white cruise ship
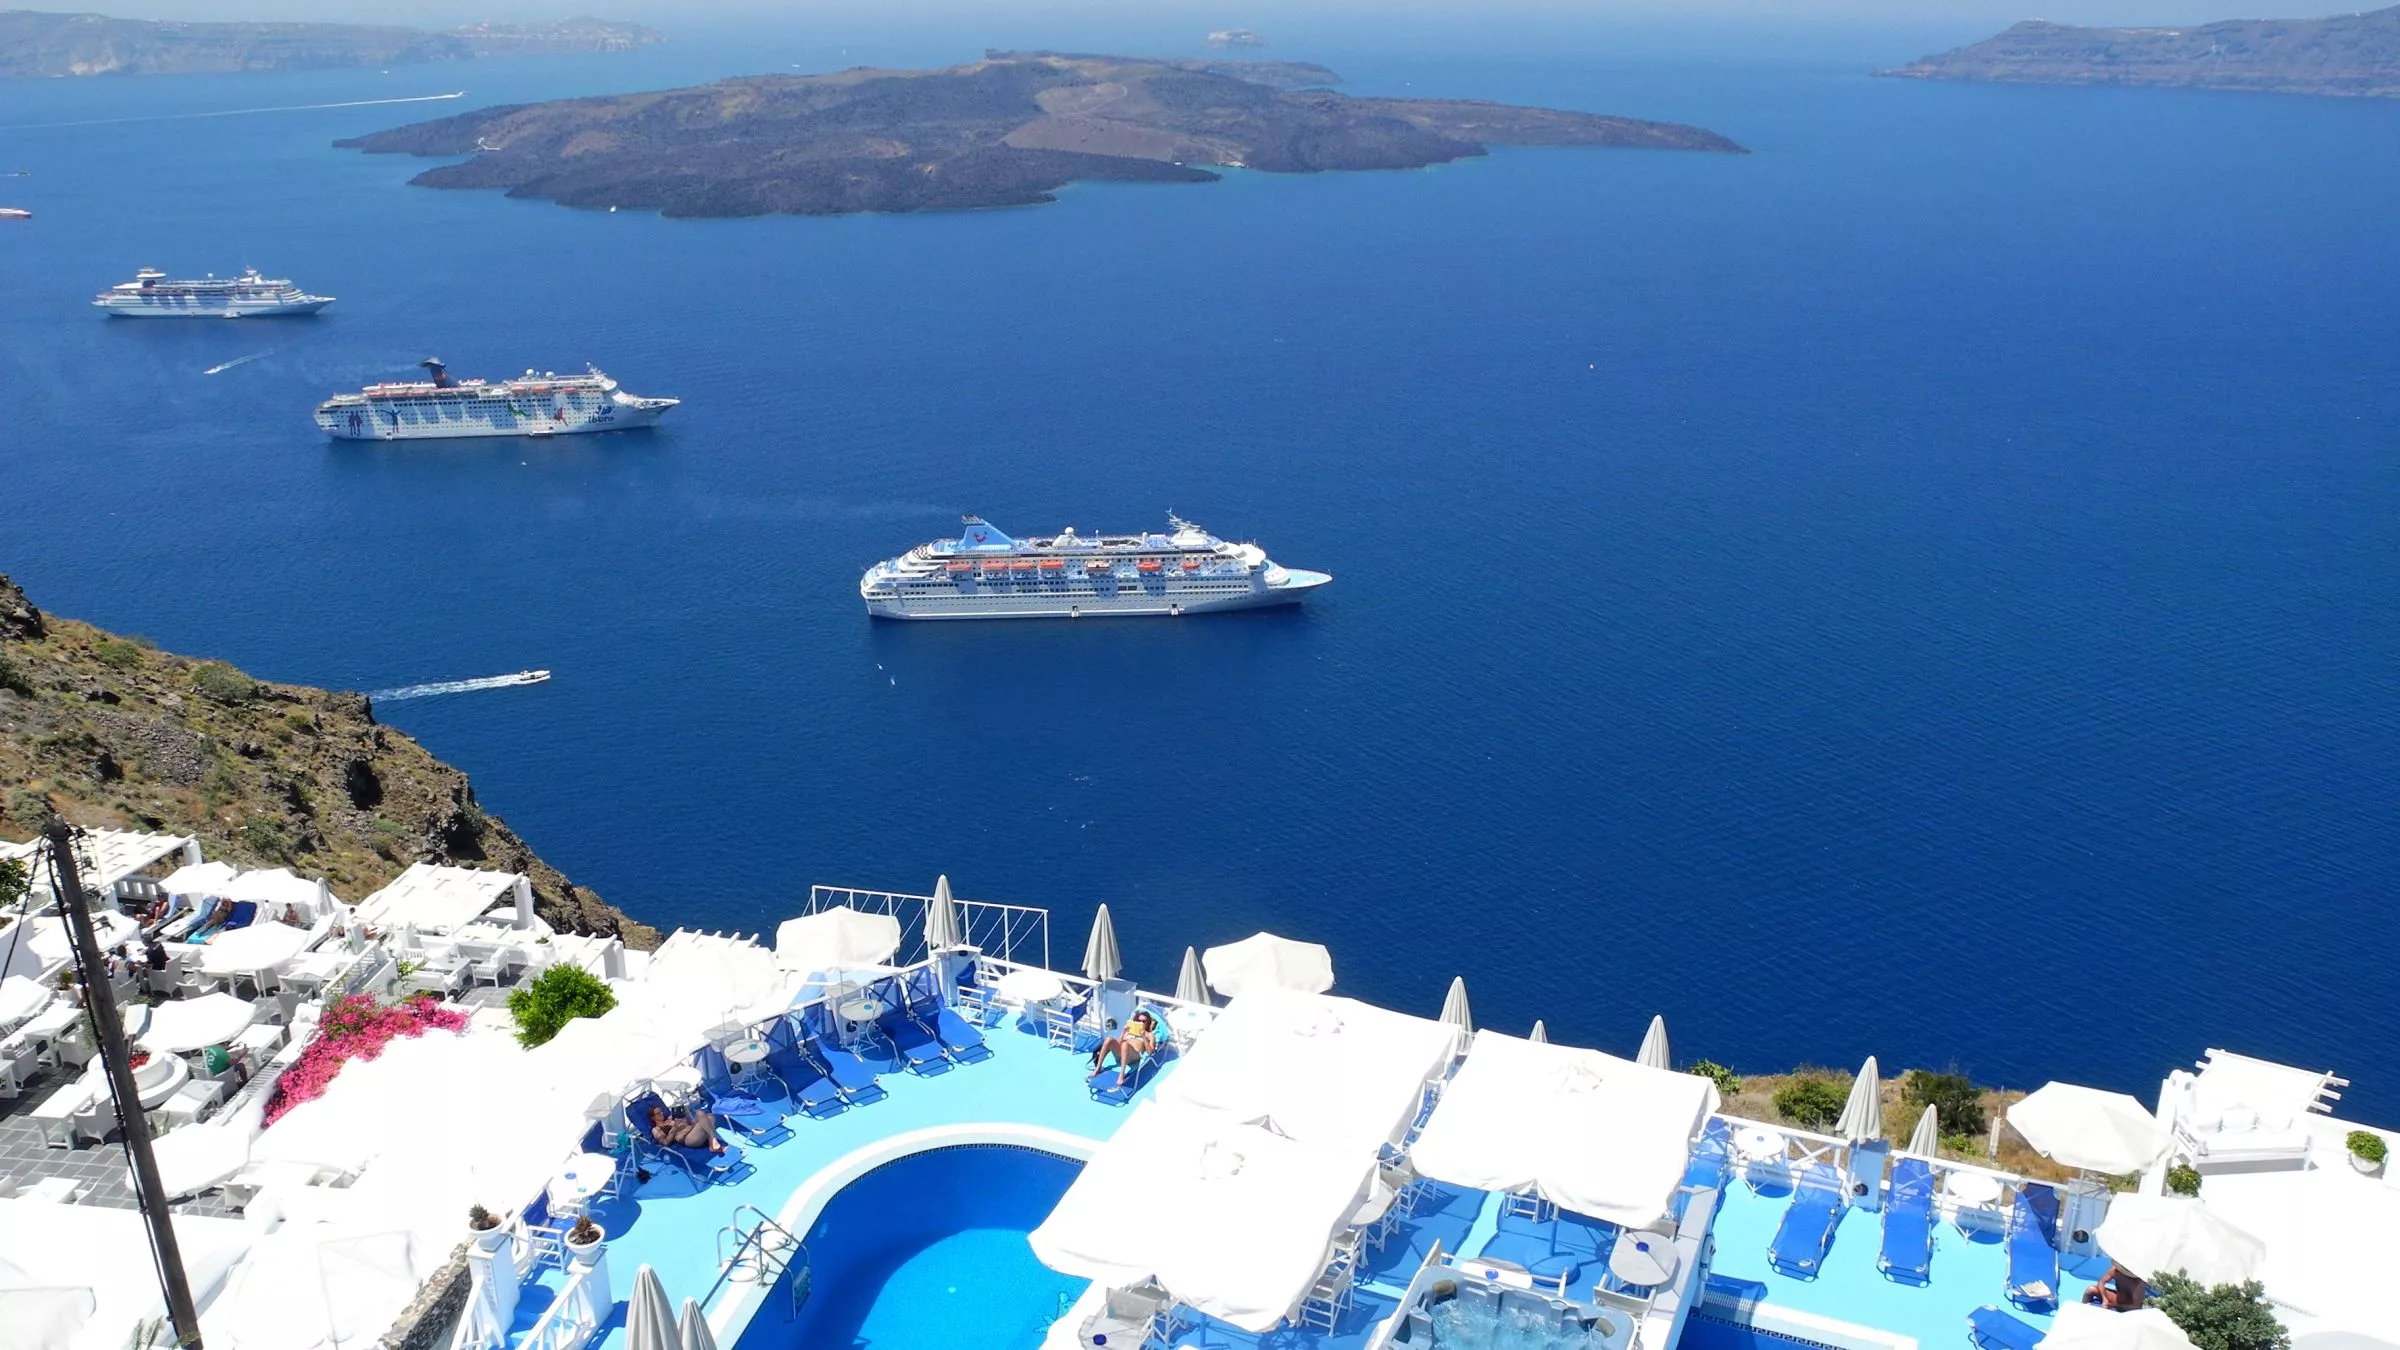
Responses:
[444,408]
[985,574]
[249,296]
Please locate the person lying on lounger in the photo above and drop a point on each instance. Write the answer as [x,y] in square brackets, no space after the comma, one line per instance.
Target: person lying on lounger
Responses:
[1138,1043]
[700,1131]
[2120,1290]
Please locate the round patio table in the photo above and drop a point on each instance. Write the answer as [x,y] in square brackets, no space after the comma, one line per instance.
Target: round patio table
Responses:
[584,1176]
[1758,1143]
[1029,985]
[1190,1021]
[1642,1259]
[1973,1189]
[860,1008]
[745,1052]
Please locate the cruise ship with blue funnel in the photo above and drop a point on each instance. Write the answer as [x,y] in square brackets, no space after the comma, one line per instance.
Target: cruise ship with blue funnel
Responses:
[986,574]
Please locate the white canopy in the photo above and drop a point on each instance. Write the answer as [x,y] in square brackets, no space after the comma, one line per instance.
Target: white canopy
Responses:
[88,1247]
[435,899]
[274,888]
[1323,1070]
[1265,961]
[2079,1326]
[189,1024]
[311,1284]
[257,947]
[21,998]
[372,1105]
[50,940]
[836,939]
[1594,1134]
[196,1157]
[1233,1219]
[208,878]
[2088,1128]
[2153,1235]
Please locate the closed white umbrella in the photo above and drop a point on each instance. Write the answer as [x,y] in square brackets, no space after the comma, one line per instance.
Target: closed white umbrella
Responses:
[1454,1008]
[1265,961]
[1653,1053]
[1191,986]
[1926,1140]
[189,1024]
[1101,960]
[2154,1235]
[941,917]
[649,1318]
[836,939]
[1541,1033]
[1862,1115]
[254,948]
[2088,1128]
[693,1329]
[2079,1326]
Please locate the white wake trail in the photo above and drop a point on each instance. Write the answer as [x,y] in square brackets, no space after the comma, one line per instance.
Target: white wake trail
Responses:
[239,360]
[460,686]
[233,112]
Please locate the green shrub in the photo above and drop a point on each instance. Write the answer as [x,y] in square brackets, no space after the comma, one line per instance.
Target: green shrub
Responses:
[2183,1179]
[116,653]
[14,875]
[1728,1082]
[263,835]
[223,683]
[13,680]
[1812,1103]
[1959,1100]
[2367,1145]
[2220,1317]
[556,997]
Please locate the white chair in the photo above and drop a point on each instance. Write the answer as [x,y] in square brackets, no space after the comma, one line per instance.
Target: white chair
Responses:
[493,969]
[56,1190]
[20,1059]
[1129,1319]
[1330,1295]
[59,1113]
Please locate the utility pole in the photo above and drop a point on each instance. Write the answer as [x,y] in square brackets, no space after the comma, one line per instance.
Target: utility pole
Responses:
[101,1001]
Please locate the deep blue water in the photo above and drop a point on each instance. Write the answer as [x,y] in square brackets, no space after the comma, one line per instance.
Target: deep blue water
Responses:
[1930,587]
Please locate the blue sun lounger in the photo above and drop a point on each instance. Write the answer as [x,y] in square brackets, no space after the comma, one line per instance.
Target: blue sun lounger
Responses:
[1908,1224]
[2033,1248]
[917,1046]
[813,1091]
[1106,1089]
[1990,1328]
[1538,1245]
[699,1164]
[959,1036]
[1808,1223]
[750,1117]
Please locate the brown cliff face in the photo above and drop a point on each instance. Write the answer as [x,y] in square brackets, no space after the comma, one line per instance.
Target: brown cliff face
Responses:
[120,734]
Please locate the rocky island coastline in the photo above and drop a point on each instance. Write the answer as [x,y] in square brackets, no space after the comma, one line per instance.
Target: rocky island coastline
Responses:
[1009,130]
[116,733]
[43,45]
[2347,55]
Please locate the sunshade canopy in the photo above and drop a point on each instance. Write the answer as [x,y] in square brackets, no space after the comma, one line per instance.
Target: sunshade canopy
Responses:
[2088,1128]
[692,1328]
[432,898]
[2080,1326]
[189,1024]
[1320,1069]
[21,998]
[2154,1235]
[208,878]
[836,939]
[272,888]
[254,948]
[308,1285]
[1592,1133]
[1265,961]
[1233,1219]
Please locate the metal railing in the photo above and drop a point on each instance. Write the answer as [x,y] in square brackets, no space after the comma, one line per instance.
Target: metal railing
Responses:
[758,1258]
[1017,933]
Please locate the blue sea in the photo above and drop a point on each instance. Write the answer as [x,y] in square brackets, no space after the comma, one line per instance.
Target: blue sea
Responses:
[1929,587]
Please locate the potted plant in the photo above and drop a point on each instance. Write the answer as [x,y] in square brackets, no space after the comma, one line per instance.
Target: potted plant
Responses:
[2366,1151]
[2183,1179]
[584,1239]
[484,1228]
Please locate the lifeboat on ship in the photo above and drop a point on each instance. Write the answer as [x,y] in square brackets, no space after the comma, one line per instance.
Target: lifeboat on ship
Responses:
[1053,565]
[1022,565]
[1148,564]
[1190,566]
[1098,565]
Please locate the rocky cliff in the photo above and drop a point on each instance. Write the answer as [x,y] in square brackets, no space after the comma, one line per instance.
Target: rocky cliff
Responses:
[120,734]
[2354,55]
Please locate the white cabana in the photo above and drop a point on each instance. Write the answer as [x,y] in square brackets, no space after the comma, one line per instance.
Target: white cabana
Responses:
[2088,1128]
[196,1157]
[274,888]
[182,1025]
[255,948]
[431,898]
[2079,1326]
[2154,1235]
[1592,1133]
[1321,1069]
[1235,1220]
[105,1252]
[21,998]
[106,857]
[312,1284]
[1265,961]
[205,879]
[837,938]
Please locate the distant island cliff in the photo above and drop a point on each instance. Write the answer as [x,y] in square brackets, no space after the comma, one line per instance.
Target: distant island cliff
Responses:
[2352,55]
[36,44]
[1008,130]
[118,733]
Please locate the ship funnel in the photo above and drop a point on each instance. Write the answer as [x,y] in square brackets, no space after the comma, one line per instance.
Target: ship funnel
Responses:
[441,373]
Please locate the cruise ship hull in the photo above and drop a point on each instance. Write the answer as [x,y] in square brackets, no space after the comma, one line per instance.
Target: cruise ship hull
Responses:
[218,309]
[1078,598]
[377,424]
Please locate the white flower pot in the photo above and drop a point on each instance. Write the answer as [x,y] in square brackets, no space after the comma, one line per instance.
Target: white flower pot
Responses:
[2364,1167]
[584,1253]
[488,1238]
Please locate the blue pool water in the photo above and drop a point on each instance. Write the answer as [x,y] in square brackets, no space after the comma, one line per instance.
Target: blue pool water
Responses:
[929,1253]
[1924,588]
[1710,1333]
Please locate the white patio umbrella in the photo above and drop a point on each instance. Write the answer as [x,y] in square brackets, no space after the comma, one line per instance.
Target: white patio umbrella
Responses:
[2079,1326]
[1653,1053]
[1862,1115]
[197,1157]
[1265,961]
[1101,960]
[693,1329]
[2088,1128]
[1926,1139]
[1454,1008]
[2154,1235]
[1541,1033]
[272,889]
[189,1024]
[208,878]
[941,917]
[254,948]
[836,939]
[21,998]
[649,1318]
[1191,985]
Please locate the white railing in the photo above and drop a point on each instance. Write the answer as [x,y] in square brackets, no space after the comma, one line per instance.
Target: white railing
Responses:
[1016,933]
[571,1319]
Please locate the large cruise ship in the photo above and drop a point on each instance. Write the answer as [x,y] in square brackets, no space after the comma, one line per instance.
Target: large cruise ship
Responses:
[985,574]
[249,296]
[444,408]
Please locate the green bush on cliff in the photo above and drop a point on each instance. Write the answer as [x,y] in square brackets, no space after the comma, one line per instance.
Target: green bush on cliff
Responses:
[556,997]
[1957,1098]
[2220,1317]
[117,653]
[1812,1103]
[1728,1082]
[223,683]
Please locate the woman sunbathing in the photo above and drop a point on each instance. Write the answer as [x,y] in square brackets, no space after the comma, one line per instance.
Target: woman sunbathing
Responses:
[1139,1042]
[698,1132]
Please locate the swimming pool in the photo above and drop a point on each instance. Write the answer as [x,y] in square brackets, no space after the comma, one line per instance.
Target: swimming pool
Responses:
[927,1252]
[1702,1332]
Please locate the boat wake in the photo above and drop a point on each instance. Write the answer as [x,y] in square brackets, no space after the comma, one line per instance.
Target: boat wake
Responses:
[460,686]
[239,360]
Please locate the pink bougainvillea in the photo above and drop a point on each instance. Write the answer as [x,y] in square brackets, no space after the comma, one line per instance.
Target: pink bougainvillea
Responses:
[355,1027]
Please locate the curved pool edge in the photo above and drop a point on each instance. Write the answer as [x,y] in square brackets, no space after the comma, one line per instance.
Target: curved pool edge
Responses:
[809,1199]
